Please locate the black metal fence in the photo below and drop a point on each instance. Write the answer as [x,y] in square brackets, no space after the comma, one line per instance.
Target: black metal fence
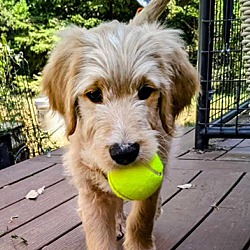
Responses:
[223,108]
[20,135]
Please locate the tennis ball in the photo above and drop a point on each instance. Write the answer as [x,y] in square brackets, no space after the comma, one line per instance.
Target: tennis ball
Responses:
[137,181]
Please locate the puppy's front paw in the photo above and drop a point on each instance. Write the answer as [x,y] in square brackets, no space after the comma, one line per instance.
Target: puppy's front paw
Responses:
[139,244]
[133,246]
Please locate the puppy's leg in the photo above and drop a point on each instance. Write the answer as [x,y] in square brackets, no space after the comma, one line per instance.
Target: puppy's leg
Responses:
[140,224]
[159,209]
[97,211]
[120,220]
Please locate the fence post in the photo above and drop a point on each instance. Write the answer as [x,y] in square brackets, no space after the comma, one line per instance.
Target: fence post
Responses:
[206,34]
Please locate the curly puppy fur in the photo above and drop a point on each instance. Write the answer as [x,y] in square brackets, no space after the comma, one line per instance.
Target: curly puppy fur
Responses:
[117,60]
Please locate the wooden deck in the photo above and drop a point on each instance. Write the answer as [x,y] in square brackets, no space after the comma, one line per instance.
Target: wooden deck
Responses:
[213,214]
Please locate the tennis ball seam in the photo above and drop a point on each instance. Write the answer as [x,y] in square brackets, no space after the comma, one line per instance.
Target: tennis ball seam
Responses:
[153,170]
[116,191]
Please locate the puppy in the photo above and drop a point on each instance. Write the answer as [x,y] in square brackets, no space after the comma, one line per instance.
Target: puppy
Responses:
[119,88]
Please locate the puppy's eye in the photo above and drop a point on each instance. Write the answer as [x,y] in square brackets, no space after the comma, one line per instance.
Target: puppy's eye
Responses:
[145,92]
[95,96]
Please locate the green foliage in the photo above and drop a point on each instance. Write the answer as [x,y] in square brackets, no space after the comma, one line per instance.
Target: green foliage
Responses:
[18,115]
[87,23]
[30,26]
[183,15]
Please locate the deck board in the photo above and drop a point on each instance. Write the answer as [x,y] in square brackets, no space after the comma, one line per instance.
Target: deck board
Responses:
[175,178]
[240,153]
[22,170]
[75,239]
[234,166]
[190,206]
[205,156]
[228,227]
[51,198]
[53,158]
[17,191]
[44,229]
[225,144]
[189,220]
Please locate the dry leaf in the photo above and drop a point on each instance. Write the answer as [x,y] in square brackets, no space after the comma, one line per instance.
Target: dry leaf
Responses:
[215,207]
[41,190]
[13,217]
[16,237]
[32,195]
[186,186]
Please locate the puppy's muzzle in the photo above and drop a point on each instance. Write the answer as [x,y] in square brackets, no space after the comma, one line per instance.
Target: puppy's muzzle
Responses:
[124,153]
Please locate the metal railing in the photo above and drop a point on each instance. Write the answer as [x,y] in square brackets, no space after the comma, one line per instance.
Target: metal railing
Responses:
[223,107]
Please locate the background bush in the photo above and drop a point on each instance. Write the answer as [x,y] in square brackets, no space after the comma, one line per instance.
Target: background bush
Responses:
[30,26]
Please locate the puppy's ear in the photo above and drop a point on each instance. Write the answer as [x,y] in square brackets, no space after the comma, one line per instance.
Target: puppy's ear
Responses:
[183,84]
[150,13]
[60,73]
[165,108]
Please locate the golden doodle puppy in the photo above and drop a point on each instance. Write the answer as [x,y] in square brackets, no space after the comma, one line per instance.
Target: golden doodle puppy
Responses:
[119,88]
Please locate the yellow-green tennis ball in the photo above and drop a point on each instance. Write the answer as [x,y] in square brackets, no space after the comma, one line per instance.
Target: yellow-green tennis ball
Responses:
[137,182]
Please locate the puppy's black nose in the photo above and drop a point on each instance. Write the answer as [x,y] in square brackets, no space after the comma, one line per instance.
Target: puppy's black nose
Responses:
[124,153]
